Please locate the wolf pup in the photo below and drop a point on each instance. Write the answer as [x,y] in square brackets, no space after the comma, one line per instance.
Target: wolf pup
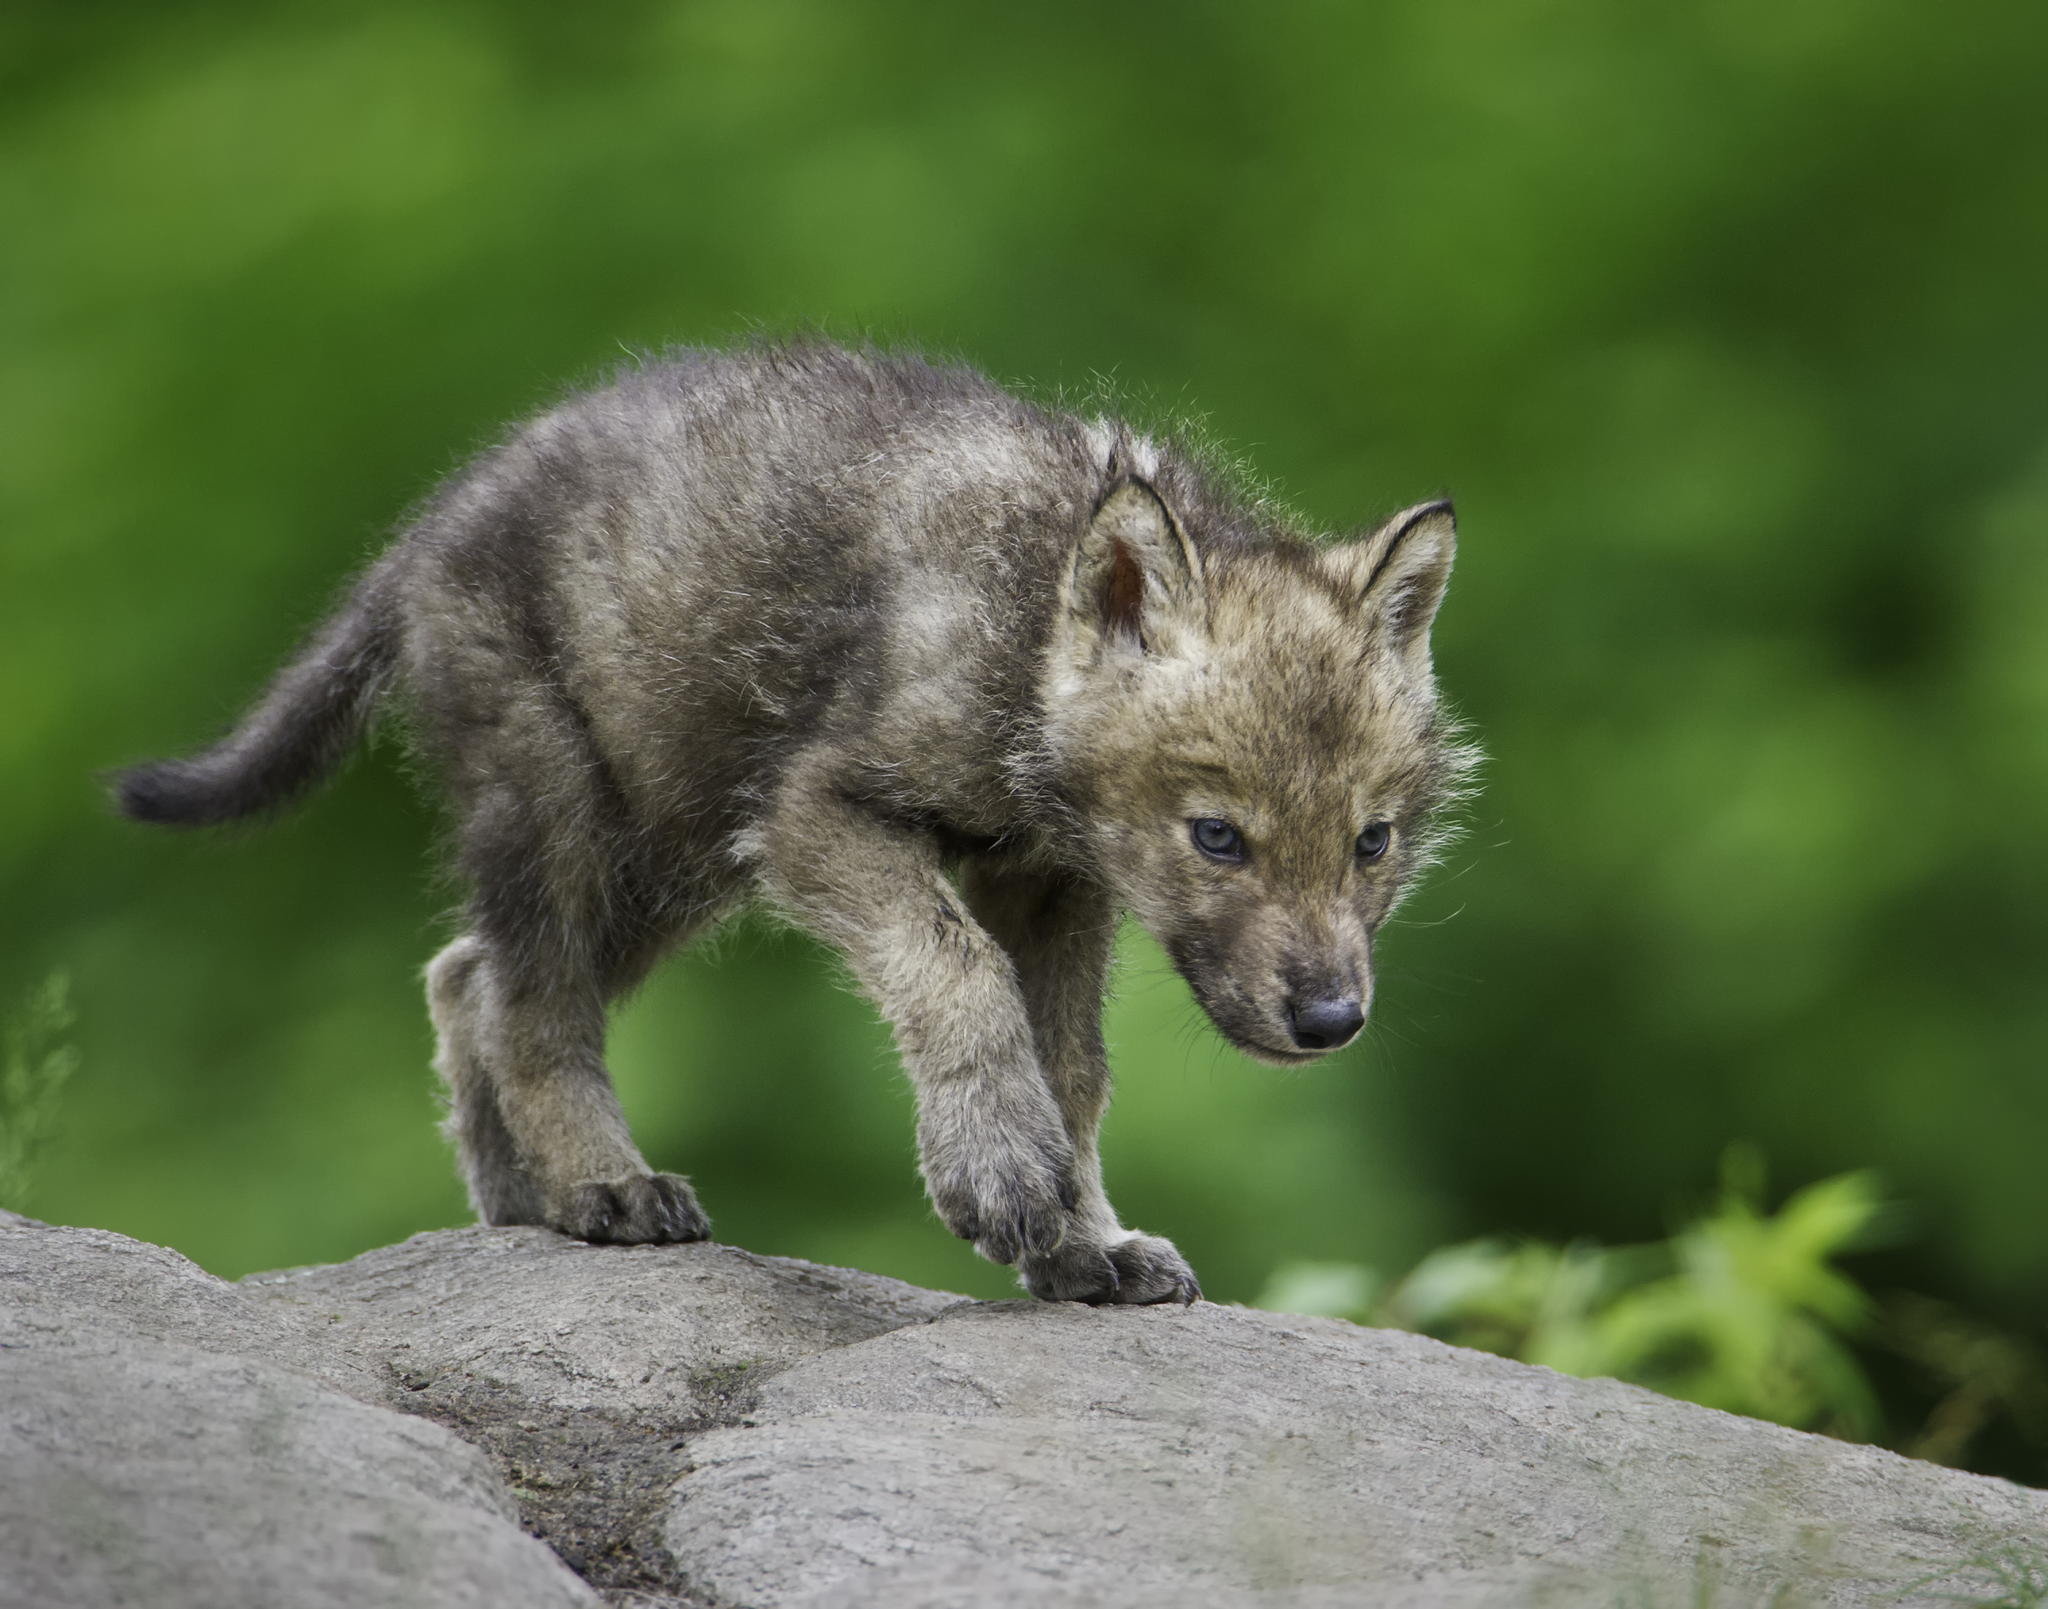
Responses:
[947,679]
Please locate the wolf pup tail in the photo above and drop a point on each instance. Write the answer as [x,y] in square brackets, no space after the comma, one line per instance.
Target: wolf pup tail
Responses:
[300,730]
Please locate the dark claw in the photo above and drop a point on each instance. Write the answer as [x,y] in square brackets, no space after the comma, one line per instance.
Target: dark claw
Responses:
[1108,1295]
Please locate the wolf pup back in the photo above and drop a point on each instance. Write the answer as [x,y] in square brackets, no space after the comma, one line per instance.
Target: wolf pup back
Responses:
[947,679]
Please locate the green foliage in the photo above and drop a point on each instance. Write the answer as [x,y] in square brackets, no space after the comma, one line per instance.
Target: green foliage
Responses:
[36,1062]
[1742,1309]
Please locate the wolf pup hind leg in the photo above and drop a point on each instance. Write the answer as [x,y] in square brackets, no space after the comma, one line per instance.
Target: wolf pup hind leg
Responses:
[949,680]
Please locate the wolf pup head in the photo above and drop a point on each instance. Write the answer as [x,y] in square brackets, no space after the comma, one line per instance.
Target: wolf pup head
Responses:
[1254,734]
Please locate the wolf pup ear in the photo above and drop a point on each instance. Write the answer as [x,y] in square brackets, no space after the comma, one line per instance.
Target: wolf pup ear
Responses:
[1398,573]
[1136,578]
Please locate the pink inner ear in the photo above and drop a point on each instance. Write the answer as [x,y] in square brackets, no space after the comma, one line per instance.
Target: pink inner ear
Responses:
[1123,597]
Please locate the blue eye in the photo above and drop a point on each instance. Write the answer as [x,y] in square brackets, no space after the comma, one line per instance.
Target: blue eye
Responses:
[1372,843]
[1217,839]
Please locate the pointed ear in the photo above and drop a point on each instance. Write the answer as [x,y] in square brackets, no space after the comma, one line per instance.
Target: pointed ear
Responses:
[1136,581]
[1398,573]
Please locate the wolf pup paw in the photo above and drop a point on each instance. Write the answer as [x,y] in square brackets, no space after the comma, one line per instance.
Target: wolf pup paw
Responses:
[1141,1270]
[651,1208]
[1149,1269]
[1010,1214]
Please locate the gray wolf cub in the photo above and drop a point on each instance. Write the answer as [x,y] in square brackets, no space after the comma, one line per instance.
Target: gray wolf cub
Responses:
[947,679]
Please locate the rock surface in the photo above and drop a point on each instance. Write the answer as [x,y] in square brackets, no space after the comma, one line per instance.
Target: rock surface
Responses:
[506,1418]
[167,1440]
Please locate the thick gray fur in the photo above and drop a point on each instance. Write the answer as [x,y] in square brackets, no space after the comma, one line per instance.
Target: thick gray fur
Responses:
[945,678]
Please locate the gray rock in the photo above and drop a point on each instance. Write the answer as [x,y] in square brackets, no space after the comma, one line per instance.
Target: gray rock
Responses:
[159,1476]
[655,1333]
[170,1441]
[64,1287]
[1020,1453]
[691,1426]
[585,1370]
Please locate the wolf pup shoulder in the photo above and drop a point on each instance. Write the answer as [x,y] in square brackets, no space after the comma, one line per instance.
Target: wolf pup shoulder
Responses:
[949,680]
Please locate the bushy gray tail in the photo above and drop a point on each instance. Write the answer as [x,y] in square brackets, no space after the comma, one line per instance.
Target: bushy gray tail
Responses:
[303,727]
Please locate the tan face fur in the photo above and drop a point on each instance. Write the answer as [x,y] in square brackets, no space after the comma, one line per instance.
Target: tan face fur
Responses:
[1282,690]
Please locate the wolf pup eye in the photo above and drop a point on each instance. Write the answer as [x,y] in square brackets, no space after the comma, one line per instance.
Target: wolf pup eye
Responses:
[1372,843]
[1217,839]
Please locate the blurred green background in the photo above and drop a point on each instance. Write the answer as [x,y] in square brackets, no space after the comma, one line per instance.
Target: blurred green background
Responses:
[1727,326]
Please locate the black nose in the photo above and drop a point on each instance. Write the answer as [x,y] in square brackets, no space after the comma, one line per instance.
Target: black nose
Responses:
[1324,1024]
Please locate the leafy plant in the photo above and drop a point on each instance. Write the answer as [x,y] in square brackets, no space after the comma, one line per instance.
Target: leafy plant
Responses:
[1743,1309]
[38,1061]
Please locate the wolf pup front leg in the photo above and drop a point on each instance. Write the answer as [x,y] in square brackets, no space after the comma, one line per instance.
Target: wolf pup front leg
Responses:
[1060,934]
[996,1157]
